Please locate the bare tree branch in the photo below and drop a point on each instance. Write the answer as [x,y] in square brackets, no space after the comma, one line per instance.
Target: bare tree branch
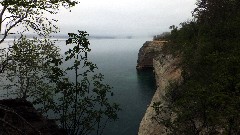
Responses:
[1,16]
[12,26]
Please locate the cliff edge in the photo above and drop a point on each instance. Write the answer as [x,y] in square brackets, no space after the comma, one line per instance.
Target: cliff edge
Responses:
[147,52]
[166,70]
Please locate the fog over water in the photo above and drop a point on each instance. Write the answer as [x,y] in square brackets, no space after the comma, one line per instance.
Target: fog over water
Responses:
[121,18]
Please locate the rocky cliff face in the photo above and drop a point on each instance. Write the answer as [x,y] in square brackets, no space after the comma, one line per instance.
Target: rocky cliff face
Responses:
[166,70]
[147,52]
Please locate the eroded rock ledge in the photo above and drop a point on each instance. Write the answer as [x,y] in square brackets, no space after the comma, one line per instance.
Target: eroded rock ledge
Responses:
[166,70]
[147,52]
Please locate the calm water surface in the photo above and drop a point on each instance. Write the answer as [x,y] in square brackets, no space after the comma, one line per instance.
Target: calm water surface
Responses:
[117,59]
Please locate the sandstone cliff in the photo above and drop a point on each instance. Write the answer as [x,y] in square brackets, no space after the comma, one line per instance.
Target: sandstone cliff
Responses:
[166,70]
[147,52]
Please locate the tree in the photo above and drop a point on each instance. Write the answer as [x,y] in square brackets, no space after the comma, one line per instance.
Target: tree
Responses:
[30,62]
[82,105]
[30,14]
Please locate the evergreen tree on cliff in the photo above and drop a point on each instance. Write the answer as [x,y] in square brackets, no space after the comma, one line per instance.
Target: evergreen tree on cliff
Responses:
[208,99]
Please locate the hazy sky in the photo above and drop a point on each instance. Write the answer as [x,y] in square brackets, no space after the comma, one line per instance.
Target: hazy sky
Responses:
[125,17]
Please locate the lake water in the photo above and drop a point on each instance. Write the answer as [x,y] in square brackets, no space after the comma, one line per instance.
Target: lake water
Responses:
[117,59]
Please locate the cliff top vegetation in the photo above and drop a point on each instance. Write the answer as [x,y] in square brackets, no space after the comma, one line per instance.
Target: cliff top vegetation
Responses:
[208,99]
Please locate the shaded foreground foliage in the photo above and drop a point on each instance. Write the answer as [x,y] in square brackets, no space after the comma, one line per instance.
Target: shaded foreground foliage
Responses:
[33,69]
[36,72]
[208,99]
[84,104]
